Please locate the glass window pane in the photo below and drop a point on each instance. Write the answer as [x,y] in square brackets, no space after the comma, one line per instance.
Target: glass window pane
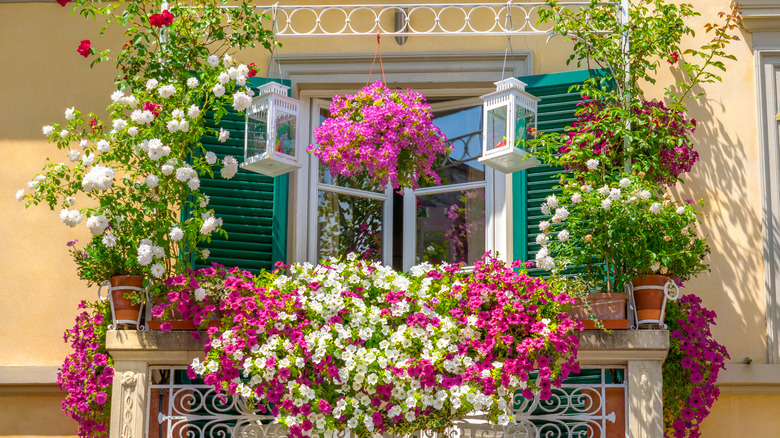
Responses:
[285,133]
[451,227]
[497,127]
[524,121]
[463,128]
[257,131]
[349,224]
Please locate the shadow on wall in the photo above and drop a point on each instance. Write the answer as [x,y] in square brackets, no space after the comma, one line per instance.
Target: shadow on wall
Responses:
[734,288]
[34,415]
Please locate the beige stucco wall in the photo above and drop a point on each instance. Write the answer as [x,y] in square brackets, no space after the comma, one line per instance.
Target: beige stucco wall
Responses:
[42,75]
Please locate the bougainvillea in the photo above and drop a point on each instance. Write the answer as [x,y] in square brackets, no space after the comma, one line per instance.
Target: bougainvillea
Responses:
[86,374]
[660,140]
[691,368]
[356,345]
[388,135]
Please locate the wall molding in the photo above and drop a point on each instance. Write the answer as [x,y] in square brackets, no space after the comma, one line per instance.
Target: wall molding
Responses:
[28,380]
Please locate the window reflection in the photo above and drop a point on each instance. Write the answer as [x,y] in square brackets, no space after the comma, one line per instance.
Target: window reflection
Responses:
[451,227]
[349,224]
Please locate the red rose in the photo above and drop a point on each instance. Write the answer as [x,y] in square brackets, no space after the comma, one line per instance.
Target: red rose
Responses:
[85,48]
[252,70]
[63,2]
[160,20]
[96,126]
[153,107]
[672,58]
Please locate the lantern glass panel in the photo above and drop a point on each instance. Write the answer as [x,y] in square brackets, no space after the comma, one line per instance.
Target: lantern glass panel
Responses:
[285,133]
[524,121]
[257,137]
[496,127]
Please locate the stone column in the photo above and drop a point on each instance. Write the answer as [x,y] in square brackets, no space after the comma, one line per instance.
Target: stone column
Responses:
[645,399]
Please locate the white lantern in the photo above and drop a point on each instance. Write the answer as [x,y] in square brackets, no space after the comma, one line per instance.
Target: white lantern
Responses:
[509,115]
[271,142]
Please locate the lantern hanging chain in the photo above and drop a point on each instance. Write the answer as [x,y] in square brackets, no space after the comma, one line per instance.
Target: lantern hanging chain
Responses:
[275,53]
[378,53]
[508,26]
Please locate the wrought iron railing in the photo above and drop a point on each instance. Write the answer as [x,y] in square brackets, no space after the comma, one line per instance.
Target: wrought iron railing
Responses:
[589,405]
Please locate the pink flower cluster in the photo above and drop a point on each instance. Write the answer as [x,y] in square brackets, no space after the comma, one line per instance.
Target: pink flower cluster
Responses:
[361,346]
[388,135]
[192,297]
[692,367]
[86,374]
[661,144]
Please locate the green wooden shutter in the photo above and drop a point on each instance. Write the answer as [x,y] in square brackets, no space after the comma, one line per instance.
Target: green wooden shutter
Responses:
[253,207]
[532,186]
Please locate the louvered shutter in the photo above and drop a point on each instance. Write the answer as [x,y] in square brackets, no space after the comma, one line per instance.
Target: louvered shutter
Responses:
[532,186]
[253,207]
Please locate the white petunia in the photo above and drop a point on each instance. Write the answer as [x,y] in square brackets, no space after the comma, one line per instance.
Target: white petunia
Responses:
[200,294]
[158,270]
[218,90]
[97,224]
[176,234]
[152,180]
[655,208]
[193,111]
[109,240]
[592,163]
[563,235]
[223,135]
[166,91]
[70,113]
[151,84]
[20,194]
[211,157]
[192,82]
[213,60]
[48,130]
[241,101]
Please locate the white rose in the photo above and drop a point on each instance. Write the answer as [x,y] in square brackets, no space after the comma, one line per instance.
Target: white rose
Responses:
[192,82]
[218,90]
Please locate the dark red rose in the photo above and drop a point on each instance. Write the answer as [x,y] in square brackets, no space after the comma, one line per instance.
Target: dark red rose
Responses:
[63,2]
[96,126]
[85,48]
[153,107]
[163,19]
[252,70]
[673,58]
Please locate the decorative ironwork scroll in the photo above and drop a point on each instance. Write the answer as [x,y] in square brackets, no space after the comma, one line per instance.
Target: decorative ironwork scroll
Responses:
[590,407]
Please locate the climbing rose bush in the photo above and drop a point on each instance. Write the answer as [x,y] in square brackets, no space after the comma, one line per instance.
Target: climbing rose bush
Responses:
[356,345]
[388,135]
[87,372]
[691,368]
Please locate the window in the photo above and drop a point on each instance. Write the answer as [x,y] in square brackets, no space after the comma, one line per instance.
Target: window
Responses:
[435,223]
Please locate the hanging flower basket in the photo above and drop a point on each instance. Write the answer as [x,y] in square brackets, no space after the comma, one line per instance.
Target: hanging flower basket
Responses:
[389,136]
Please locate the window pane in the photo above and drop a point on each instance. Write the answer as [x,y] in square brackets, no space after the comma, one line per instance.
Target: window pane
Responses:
[496,127]
[349,224]
[451,227]
[463,128]
[285,133]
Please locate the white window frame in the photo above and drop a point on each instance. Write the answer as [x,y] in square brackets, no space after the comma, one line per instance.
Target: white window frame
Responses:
[466,74]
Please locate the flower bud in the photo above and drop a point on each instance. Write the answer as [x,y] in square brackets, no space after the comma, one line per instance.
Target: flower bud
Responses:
[588,237]
[667,238]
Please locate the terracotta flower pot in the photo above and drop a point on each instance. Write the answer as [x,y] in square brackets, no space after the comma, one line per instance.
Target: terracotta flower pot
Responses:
[649,297]
[124,310]
[177,320]
[609,308]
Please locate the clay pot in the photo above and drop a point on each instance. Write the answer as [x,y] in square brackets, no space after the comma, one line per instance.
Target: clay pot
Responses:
[649,297]
[124,310]
[604,305]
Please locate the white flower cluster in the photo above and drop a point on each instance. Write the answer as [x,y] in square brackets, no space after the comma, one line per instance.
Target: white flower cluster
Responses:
[97,224]
[230,167]
[70,218]
[147,252]
[155,149]
[98,178]
[210,223]
[375,363]
[543,258]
